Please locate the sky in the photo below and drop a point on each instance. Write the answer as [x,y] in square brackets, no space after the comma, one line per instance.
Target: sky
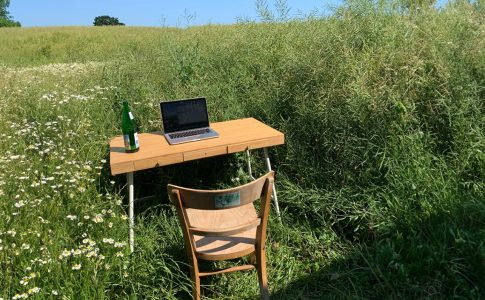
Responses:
[180,13]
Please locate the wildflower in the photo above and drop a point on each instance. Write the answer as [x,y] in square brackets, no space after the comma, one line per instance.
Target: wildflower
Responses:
[119,254]
[65,253]
[34,290]
[98,218]
[76,267]
[108,241]
[19,204]
[55,292]
[20,296]
[91,254]
[71,217]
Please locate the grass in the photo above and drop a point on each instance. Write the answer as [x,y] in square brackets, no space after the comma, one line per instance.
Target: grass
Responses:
[381,179]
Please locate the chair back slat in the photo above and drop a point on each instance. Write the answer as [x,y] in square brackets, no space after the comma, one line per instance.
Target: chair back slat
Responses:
[225,232]
[221,199]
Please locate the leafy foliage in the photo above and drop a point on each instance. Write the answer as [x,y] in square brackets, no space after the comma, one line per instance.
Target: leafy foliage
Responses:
[9,23]
[5,19]
[4,4]
[107,21]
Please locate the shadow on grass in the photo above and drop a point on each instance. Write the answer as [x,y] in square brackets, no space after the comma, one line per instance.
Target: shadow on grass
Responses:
[441,256]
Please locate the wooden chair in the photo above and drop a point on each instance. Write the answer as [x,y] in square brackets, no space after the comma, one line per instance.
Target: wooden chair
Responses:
[223,224]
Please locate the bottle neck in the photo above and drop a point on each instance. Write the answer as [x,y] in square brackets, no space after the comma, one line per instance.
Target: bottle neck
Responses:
[125,106]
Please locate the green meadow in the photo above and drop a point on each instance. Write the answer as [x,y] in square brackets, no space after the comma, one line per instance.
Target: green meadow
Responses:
[381,180]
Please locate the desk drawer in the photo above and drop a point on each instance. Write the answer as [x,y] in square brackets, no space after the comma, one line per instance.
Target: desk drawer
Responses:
[256,144]
[158,161]
[205,153]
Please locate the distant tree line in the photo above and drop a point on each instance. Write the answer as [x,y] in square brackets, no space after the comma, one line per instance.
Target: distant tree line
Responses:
[106,21]
[5,19]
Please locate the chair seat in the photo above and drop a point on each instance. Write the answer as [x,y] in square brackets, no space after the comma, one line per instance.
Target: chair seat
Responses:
[223,247]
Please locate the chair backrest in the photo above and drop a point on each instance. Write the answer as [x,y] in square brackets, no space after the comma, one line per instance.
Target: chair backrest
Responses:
[220,199]
[197,204]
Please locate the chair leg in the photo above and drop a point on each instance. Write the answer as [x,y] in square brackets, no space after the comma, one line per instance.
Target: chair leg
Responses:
[194,275]
[261,266]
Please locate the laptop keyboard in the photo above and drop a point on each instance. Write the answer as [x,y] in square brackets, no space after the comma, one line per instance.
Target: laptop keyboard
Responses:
[188,133]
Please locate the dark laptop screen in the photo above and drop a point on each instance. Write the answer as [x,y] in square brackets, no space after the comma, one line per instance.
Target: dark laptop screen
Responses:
[184,114]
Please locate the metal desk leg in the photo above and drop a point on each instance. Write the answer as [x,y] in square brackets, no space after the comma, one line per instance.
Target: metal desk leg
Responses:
[250,171]
[275,197]
[131,203]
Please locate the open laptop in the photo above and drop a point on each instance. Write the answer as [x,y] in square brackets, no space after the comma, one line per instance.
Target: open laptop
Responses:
[186,121]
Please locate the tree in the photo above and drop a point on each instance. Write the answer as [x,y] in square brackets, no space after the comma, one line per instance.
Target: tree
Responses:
[3,8]
[5,20]
[106,21]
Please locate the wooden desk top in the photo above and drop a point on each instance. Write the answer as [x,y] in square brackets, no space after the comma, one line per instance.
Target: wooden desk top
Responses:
[234,136]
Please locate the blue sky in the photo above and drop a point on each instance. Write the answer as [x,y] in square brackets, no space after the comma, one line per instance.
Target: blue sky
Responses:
[148,12]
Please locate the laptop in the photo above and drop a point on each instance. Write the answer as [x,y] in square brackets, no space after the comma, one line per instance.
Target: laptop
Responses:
[186,121]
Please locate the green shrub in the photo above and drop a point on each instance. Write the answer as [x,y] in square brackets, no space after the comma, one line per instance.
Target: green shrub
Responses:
[4,22]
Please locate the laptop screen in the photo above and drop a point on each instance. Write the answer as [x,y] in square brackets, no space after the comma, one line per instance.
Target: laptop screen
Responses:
[184,114]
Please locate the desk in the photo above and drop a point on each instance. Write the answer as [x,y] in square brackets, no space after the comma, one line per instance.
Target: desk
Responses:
[234,136]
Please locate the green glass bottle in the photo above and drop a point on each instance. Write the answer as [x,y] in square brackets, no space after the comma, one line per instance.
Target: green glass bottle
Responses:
[128,127]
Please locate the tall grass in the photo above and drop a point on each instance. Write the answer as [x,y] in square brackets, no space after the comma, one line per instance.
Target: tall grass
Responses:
[381,179]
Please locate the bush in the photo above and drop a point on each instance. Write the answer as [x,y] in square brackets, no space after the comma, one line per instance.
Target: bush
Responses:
[107,21]
[4,22]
